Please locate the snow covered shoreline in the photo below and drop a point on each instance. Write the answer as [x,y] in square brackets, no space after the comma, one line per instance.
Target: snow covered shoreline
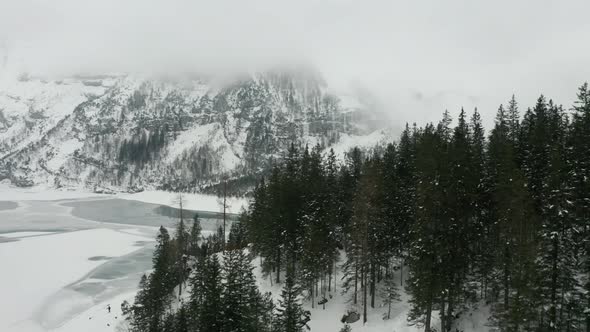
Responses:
[191,201]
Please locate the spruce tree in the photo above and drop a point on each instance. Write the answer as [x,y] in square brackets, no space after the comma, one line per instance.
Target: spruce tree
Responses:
[390,294]
[240,293]
[579,145]
[138,314]
[424,284]
[211,311]
[161,281]
[182,249]
[346,328]
[514,211]
[290,315]
[182,319]
[483,231]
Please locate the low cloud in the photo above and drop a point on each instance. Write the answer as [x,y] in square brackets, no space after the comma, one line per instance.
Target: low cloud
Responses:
[406,53]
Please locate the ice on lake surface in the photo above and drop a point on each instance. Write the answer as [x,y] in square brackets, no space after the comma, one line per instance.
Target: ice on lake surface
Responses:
[128,212]
[6,205]
[65,258]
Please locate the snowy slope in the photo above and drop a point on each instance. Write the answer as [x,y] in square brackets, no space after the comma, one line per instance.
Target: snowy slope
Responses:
[322,319]
[30,108]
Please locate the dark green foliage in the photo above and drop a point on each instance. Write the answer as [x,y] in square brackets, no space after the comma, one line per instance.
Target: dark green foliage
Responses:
[148,312]
[290,315]
[502,220]
[456,217]
[237,233]
[221,298]
[210,315]
[142,146]
[242,302]
[346,328]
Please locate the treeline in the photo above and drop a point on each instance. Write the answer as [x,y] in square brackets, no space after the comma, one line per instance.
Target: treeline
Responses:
[501,220]
[142,147]
[222,293]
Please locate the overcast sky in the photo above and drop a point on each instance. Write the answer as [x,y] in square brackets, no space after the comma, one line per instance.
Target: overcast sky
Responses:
[418,57]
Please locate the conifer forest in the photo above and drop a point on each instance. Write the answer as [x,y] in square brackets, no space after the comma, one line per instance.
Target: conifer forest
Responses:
[448,216]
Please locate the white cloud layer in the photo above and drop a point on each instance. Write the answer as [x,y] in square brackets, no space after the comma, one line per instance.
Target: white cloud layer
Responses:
[419,57]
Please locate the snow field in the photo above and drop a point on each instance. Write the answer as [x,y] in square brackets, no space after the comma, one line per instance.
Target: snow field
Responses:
[34,268]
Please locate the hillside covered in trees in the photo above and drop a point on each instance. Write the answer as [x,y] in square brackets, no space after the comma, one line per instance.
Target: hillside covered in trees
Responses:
[460,217]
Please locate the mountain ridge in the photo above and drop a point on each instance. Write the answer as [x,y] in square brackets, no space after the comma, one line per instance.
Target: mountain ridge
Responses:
[132,132]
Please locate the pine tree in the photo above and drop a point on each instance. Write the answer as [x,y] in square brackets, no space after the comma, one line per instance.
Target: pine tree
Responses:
[161,281]
[513,120]
[424,284]
[405,198]
[346,328]
[332,214]
[237,237]
[579,145]
[182,320]
[513,210]
[182,249]
[196,301]
[210,313]
[291,205]
[557,261]
[482,245]
[168,323]
[290,315]
[390,294]
[240,293]
[138,314]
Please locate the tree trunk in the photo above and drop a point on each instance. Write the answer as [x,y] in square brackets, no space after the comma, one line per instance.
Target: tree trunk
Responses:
[335,276]
[364,278]
[278,265]
[224,208]
[312,296]
[588,316]
[428,310]
[401,273]
[373,285]
[429,306]
[506,280]
[553,312]
[450,316]
[389,310]
[356,273]
[330,280]
[443,316]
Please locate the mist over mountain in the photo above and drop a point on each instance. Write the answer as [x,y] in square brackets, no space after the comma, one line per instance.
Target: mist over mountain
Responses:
[134,132]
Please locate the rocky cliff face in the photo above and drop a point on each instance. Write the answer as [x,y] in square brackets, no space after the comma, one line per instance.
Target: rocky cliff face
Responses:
[130,133]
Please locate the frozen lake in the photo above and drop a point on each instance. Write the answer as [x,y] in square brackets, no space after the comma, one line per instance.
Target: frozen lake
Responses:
[6,205]
[65,261]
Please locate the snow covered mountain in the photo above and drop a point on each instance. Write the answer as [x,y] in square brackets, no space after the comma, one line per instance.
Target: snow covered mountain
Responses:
[126,132]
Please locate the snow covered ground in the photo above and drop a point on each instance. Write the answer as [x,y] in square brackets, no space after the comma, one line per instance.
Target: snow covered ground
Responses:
[58,268]
[34,268]
[328,318]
